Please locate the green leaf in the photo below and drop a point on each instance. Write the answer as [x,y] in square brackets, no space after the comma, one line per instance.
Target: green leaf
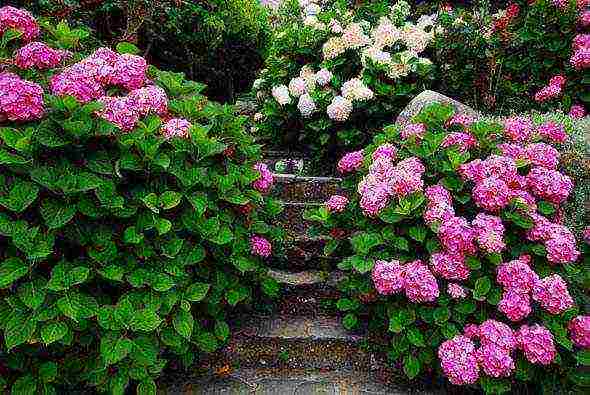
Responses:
[11,270]
[411,366]
[183,323]
[350,321]
[32,294]
[163,226]
[583,357]
[20,197]
[24,385]
[170,199]
[223,236]
[221,330]
[207,342]
[127,48]
[151,202]
[146,388]
[546,208]
[114,349]
[56,214]
[145,320]
[417,233]
[473,263]
[77,306]
[48,371]
[53,331]
[441,315]
[197,291]
[362,243]
[482,287]
[401,244]
[415,337]
[362,265]
[20,328]
[131,236]
[346,304]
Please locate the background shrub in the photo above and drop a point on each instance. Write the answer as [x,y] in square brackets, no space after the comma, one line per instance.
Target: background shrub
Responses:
[119,250]
[218,42]
[413,299]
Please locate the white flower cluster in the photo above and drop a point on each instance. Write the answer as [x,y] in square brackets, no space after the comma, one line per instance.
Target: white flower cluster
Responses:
[340,109]
[355,90]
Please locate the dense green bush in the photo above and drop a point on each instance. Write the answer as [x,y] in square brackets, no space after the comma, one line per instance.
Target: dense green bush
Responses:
[469,235]
[498,61]
[336,74]
[120,250]
[218,42]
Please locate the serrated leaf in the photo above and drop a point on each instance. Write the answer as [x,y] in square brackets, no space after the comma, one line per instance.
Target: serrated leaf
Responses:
[183,323]
[132,236]
[170,199]
[11,270]
[77,306]
[221,330]
[145,320]
[197,291]
[32,294]
[415,337]
[56,214]
[53,332]
[411,366]
[350,321]
[19,329]
[48,371]
[21,195]
[114,349]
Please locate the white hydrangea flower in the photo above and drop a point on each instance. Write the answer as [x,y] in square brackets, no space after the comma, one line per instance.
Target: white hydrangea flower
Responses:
[356,90]
[258,83]
[354,36]
[281,94]
[297,87]
[258,117]
[312,9]
[340,109]
[308,75]
[426,21]
[335,26]
[415,38]
[376,55]
[385,34]
[334,47]
[306,105]
[323,77]
[314,22]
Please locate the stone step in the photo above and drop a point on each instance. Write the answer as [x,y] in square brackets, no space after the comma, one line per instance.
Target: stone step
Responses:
[295,342]
[305,251]
[292,220]
[290,382]
[304,189]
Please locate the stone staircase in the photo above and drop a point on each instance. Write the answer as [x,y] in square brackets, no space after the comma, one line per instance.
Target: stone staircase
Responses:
[301,347]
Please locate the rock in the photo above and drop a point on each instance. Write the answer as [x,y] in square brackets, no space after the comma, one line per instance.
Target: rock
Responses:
[427,97]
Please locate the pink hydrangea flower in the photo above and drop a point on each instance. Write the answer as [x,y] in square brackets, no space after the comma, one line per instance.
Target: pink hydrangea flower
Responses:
[456,291]
[458,360]
[385,151]
[491,194]
[20,20]
[471,331]
[39,55]
[260,246]
[405,181]
[457,236]
[450,266]
[537,344]
[497,334]
[119,111]
[463,141]
[350,162]
[412,165]
[513,150]
[518,128]
[460,119]
[339,109]
[585,18]
[517,275]
[561,246]
[515,305]
[413,129]
[489,232]
[549,184]
[336,203]
[420,284]
[581,41]
[552,90]
[388,277]
[374,198]
[494,361]
[552,294]
[20,100]
[176,127]
[265,181]
[580,59]
[577,111]
[552,131]
[129,71]
[587,235]
[83,87]
[541,154]
[579,329]
[148,100]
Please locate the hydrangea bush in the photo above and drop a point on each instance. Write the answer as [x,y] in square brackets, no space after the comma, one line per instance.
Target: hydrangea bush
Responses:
[530,55]
[456,254]
[132,215]
[336,72]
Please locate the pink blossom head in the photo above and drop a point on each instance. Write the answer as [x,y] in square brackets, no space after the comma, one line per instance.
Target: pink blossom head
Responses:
[463,141]
[265,180]
[473,171]
[337,203]
[581,41]
[489,233]
[586,235]
[119,111]
[458,360]
[20,20]
[457,236]
[552,294]
[260,246]
[176,127]
[420,286]
[460,119]
[518,128]
[494,361]
[412,165]
[541,154]
[537,344]
[549,184]
[149,100]
[38,55]
[385,151]
[471,331]
[350,162]
[497,334]
[388,277]
[450,266]
[585,18]
[515,305]
[577,111]
[20,100]
[129,71]
[517,275]
[456,291]
[561,245]
[579,329]
[415,130]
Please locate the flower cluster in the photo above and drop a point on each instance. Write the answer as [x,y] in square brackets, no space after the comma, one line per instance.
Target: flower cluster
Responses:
[19,20]
[176,127]
[462,361]
[20,100]
[265,182]
[260,246]
[88,79]
[552,90]
[38,55]
[350,162]
[336,203]
[580,58]
[414,278]
[579,329]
